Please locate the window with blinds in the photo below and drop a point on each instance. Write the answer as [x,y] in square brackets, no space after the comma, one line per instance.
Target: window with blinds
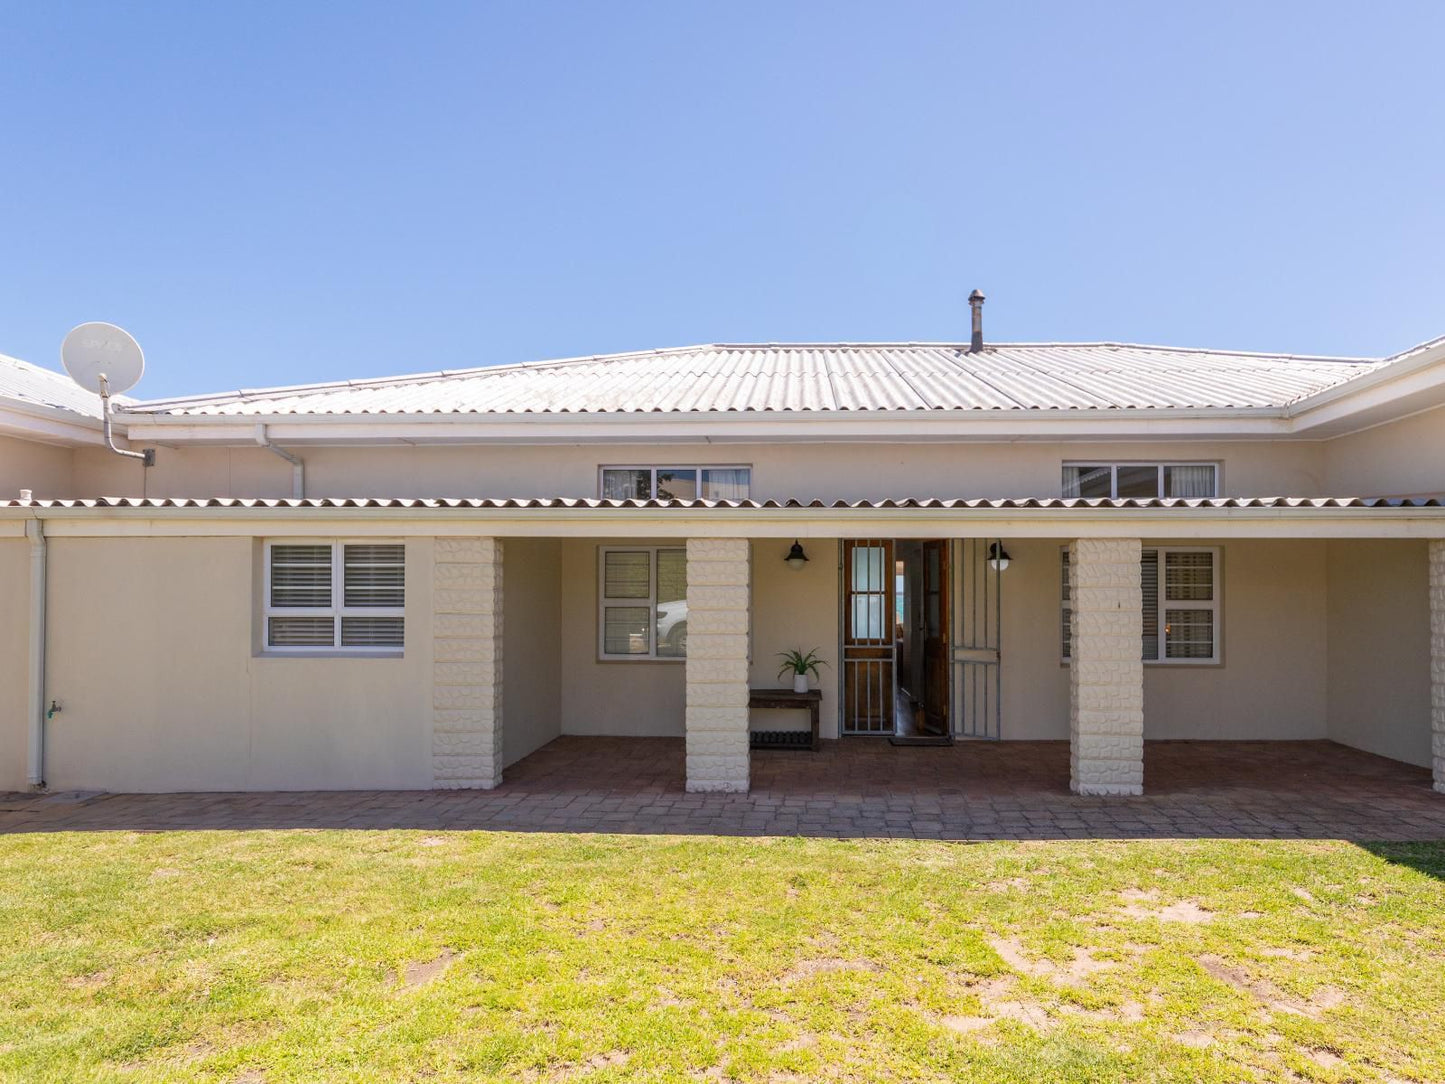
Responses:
[1179,615]
[335,596]
[1118,480]
[642,602]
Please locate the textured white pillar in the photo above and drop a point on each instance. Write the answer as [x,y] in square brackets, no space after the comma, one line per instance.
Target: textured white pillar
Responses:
[717,664]
[1437,660]
[467,663]
[1106,671]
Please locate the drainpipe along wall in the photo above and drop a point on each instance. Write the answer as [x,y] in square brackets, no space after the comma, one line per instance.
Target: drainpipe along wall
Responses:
[35,764]
[298,468]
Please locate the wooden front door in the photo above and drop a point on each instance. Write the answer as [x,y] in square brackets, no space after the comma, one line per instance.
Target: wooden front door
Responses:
[935,635]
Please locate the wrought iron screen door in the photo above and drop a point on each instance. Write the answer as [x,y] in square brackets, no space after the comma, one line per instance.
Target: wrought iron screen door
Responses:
[869,623]
[978,621]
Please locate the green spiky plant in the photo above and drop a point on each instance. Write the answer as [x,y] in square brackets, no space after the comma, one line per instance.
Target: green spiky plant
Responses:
[795,662]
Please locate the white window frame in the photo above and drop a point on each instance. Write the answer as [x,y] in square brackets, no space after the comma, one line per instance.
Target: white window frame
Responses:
[654,468]
[1216,657]
[1158,466]
[337,610]
[604,604]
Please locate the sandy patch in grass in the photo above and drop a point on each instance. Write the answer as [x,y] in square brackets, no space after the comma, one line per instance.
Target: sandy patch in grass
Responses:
[1195,1038]
[1011,884]
[807,969]
[418,973]
[965,1024]
[1187,911]
[1274,1000]
[93,981]
[1073,973]
[1298,955]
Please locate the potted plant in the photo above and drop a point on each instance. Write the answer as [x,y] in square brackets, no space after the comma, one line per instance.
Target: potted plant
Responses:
[800,666]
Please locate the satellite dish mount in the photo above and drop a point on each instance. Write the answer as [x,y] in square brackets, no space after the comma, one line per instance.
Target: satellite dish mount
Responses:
[107,360]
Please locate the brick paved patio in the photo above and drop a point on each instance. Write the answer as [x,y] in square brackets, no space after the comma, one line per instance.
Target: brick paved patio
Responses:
[861,787]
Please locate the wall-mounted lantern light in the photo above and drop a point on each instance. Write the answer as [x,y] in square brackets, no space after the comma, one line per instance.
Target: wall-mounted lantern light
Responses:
[998,557]
[796,558]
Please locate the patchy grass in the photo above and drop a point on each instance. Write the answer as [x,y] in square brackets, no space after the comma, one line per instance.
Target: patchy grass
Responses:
[331,956]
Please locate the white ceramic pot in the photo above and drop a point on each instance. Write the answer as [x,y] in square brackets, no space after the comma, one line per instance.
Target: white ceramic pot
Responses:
[800,683]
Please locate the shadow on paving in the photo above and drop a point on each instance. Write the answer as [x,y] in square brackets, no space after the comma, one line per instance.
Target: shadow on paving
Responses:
[851,789]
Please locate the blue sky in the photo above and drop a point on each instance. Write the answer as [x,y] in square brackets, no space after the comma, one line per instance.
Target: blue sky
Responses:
[282,193]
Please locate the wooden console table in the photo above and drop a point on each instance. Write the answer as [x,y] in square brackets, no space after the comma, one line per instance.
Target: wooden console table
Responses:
[786,698]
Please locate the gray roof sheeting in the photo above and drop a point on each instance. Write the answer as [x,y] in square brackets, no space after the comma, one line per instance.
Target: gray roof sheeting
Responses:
[32,384]
[598,504]
[807,377]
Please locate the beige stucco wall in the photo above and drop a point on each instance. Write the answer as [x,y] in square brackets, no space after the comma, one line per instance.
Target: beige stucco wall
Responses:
[531,649]
[151,657]
[1379,648]
[822,470]
[1404,458]
[46,469]
[14,660]
[622,697]
[1271,684]
[795,608]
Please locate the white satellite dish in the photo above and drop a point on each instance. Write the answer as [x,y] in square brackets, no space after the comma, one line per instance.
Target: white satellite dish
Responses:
[102,358]
[107,360]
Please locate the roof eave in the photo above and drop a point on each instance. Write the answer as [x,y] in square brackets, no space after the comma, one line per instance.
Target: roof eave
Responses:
[1408,385]
[713,426]
[47,424]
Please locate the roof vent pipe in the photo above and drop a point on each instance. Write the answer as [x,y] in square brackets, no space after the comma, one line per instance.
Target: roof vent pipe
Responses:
[975,302]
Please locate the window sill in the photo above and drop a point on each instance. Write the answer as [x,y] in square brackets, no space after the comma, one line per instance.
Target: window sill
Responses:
[295,655]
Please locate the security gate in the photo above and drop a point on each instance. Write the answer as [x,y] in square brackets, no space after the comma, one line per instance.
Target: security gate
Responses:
[978,613]
[869,659]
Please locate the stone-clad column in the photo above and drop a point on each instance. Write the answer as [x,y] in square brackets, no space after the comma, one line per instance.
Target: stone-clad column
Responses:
[717,664]
[467,663]
[1437,660]
[1106,671]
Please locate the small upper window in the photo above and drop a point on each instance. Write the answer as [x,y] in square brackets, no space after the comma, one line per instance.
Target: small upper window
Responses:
[1141,480]
[676,483]
[335,596]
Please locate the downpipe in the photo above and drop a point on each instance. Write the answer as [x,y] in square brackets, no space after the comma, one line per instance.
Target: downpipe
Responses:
[35,762]
[298,468]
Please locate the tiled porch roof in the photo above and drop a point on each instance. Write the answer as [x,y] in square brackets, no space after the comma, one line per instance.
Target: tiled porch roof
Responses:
[587,503]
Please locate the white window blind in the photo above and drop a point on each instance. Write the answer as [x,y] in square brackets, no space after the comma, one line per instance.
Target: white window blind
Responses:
[731,483]
[1179,615]
[1141,480]
[642,602]
[335,596]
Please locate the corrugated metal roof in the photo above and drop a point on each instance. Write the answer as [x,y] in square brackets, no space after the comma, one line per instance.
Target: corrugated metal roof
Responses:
[597,504]
[43,387]
[821,377]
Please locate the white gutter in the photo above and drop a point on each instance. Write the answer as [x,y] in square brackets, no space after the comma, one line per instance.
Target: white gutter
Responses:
[35,705]
[298,467]
[713,427]
[780,523]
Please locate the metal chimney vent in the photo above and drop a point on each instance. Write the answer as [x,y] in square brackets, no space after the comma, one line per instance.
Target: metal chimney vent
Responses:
[975,302]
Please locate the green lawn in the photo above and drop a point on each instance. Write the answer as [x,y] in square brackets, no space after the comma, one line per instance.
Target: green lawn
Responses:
[278,956]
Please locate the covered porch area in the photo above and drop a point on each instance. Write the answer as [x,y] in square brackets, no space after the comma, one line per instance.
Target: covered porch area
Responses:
[852,789]
[1306,634]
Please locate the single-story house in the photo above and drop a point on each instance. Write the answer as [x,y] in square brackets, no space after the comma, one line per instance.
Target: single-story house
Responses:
[414,582]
